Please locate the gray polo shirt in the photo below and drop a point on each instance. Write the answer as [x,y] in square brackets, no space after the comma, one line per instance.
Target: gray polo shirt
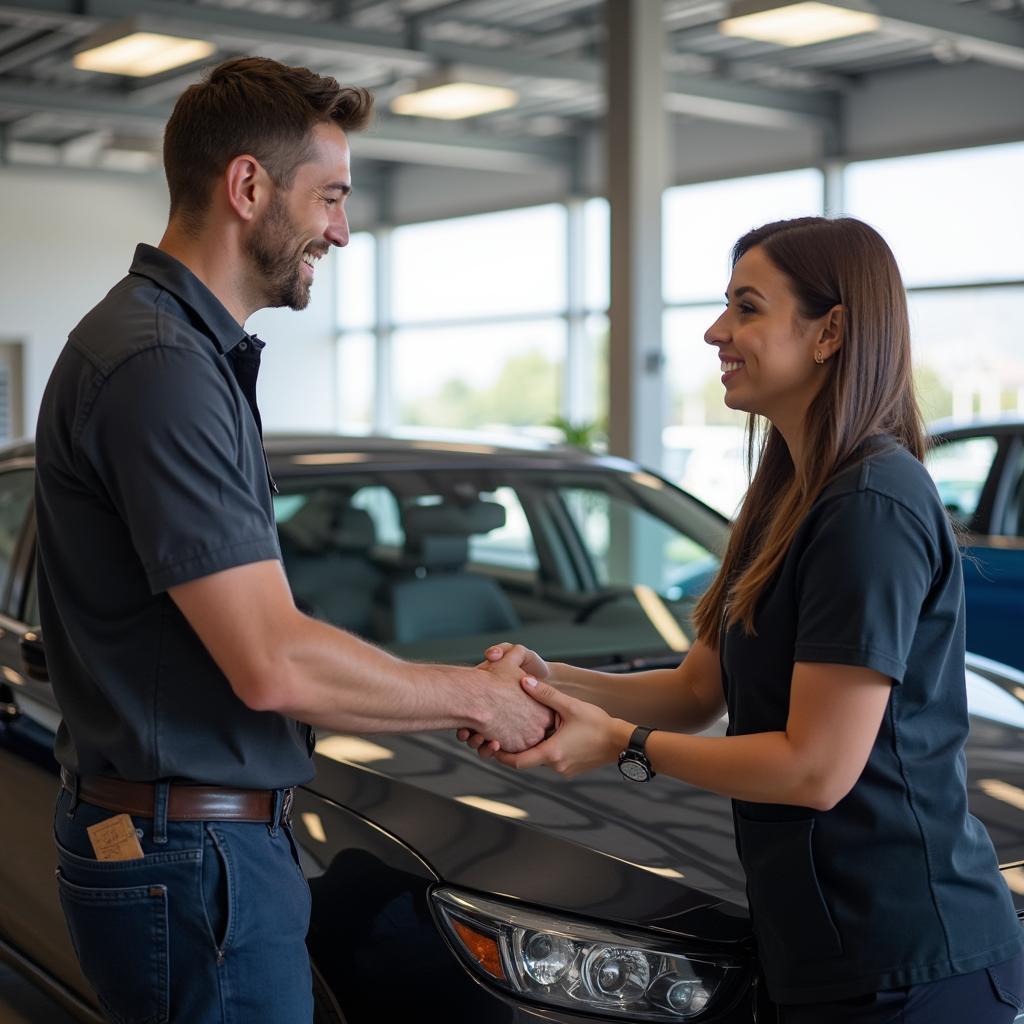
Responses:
[150,473]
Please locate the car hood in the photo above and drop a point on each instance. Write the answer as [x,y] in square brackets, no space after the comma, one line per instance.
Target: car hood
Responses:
[659,855]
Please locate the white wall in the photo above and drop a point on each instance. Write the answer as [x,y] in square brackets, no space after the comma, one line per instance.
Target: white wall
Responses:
[67,237]
[65,240]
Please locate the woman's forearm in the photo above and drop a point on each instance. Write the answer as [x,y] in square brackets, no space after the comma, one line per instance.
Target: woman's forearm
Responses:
[660,698]
[763,767]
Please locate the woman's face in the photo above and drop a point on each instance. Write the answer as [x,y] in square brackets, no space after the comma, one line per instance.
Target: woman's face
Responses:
[766,347]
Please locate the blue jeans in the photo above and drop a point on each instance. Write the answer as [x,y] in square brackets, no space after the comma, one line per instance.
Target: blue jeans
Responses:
[993,995]
[208,927]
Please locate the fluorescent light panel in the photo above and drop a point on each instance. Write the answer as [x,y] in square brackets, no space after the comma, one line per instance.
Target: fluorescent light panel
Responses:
[800,24]
[142,53]
[455,100]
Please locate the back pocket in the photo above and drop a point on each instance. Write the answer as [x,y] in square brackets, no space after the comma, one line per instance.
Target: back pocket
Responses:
[120,937]
[786,901]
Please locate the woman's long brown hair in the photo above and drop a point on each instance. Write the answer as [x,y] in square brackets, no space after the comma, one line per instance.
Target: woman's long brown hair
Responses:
[868,390]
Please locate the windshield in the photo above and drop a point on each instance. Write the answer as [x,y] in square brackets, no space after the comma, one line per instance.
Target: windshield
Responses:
[593,566]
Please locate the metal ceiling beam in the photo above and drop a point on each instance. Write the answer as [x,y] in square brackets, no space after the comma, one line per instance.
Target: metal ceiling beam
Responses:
[973,31]
[388,141]
[714,98]
[718,99]
[37,48]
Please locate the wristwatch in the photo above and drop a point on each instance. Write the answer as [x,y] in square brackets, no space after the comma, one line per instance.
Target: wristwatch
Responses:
[633,762]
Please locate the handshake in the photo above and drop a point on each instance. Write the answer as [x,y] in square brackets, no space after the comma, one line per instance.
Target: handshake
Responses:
[533,723]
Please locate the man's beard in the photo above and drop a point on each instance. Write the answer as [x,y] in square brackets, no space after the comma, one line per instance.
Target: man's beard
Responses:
[280,270]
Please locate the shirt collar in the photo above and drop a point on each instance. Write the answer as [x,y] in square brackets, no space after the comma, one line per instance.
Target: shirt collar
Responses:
[176,278]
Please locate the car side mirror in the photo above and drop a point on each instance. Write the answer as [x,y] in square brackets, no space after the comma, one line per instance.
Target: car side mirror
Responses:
[33,657]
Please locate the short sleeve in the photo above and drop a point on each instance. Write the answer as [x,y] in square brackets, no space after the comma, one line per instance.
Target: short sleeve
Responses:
[164,439]
[863,578]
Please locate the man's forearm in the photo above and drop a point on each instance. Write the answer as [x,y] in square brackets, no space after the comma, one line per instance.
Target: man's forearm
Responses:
[336,681]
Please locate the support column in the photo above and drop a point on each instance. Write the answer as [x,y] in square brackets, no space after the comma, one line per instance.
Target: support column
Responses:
[384,414]
[636,141]
[576,404]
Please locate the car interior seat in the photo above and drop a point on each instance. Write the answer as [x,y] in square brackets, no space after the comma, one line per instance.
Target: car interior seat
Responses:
[326,547]
[440,597]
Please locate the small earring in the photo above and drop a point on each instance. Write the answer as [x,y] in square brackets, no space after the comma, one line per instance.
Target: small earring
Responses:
[819,357]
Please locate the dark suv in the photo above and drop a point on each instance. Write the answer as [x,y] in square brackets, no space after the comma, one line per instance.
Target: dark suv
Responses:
[445,887]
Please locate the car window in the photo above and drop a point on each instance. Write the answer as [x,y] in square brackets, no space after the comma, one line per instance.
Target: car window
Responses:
[960,468]
[30,614]
[382,508]
[16,489]
[629,545]
[436,564]
[1012,518]
[509,546]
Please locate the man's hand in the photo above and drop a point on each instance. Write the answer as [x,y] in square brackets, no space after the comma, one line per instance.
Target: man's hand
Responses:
[518,722]
[529,662]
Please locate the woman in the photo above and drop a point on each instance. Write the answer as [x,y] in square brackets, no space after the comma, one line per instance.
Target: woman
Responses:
[834,636]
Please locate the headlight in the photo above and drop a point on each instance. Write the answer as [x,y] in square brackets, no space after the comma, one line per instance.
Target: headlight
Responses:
[558,961]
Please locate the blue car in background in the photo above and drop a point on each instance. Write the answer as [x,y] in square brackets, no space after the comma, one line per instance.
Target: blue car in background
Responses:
[979,470]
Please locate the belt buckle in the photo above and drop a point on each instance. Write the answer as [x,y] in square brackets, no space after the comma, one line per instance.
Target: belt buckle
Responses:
[286,806]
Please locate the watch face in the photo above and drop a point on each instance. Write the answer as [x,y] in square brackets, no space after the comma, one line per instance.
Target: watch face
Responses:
[634,770]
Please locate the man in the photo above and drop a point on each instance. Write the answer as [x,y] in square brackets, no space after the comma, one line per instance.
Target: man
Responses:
[180,662]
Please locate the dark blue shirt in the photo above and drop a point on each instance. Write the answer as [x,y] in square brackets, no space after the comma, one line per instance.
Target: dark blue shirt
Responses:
[151,473]
[898,884]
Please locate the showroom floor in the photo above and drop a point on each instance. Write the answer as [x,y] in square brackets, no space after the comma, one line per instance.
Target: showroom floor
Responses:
[22,1003]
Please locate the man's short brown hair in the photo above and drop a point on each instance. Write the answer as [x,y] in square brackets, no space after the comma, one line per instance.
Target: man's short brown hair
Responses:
[251,105]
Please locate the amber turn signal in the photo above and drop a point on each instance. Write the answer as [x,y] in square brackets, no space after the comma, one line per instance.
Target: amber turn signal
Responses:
[482,948]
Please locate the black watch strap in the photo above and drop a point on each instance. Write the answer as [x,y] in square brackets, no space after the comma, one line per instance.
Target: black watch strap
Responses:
[633,761]
[638,741]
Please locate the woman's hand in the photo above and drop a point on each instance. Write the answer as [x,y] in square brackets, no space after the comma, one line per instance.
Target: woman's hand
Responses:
[531,663]
[587,737]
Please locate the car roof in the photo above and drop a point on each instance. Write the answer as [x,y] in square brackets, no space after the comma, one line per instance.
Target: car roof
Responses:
[322,451]
[1006,423]
[311,451]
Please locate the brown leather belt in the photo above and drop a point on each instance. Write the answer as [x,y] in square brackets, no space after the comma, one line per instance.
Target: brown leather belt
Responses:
[184,802]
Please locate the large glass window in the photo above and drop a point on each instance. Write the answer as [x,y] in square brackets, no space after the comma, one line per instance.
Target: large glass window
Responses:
[357,282]
[481,375]
[950,218]
[494,321]
[596,253]
[701,222]
[355,383]
[491,265]
[703,446]
[967,351]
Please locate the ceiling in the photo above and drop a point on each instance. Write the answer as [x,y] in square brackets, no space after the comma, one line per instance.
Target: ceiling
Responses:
[550,51]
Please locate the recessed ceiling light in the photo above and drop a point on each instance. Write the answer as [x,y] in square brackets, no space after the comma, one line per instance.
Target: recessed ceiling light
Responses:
[452,101]
[796,24]
[141,54]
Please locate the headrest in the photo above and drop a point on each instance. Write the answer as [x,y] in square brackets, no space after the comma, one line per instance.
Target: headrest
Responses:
[452,520]
[325,523]
[353,530]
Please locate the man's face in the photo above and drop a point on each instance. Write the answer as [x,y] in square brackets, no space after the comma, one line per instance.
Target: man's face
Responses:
[302,222]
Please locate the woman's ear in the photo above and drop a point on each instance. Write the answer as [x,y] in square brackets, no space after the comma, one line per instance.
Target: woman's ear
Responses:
[833,331]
